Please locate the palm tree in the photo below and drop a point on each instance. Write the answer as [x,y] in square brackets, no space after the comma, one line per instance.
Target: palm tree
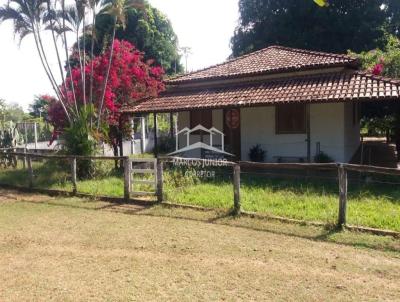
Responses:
[117,9]
[27,18]
[93,4]
[72,20]
[50,18]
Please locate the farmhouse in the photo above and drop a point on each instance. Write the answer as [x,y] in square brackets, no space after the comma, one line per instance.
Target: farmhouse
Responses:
[293,103]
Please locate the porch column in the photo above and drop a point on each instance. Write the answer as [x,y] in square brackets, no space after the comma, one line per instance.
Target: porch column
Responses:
[171,124]
[308,133]
[133,135]
[35,134]
[26,135]
[155,135]
[143,136]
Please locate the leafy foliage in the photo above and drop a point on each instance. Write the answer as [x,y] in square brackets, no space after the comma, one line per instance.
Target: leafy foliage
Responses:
[322,157]
[130,79]
[11,112]
[257,154]
[81,89]
[39,107]
[79,140]
[148,29]
[357,25]
[384,61]
[382,118]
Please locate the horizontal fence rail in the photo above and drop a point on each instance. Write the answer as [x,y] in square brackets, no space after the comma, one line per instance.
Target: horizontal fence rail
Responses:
[57,156]
[196,160]
[300,166]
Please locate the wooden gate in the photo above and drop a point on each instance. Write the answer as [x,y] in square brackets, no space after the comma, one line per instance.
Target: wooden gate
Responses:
[141,167]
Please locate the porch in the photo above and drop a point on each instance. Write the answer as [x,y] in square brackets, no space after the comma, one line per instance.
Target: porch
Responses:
[291,133]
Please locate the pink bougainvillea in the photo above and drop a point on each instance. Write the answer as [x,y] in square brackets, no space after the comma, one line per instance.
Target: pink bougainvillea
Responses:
[378,68]
[130,79]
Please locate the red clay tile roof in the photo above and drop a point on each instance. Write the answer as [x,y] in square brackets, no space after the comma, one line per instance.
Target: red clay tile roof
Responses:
[328,87]
[273,59]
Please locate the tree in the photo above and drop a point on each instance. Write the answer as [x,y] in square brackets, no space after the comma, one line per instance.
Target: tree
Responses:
[383,117]
[83,109]
[130,78]
[11,112]
[27,16]
[385,61]
[148,29]
[39,107]
[2,109]
[342,25]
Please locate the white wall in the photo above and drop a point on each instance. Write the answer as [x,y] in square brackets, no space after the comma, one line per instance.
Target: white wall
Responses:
[331,126]
[258,127]
[351,130]
[327,128]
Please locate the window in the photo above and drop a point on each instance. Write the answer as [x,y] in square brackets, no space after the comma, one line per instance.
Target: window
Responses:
[290,118]
[201,117]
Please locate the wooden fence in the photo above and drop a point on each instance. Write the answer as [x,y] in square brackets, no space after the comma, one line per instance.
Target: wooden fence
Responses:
[158,168]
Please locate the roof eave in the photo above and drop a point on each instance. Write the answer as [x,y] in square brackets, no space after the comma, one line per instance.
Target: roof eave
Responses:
[353,65]
[245,105]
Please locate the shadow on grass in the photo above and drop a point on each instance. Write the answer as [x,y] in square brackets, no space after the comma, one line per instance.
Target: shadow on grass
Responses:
[328,233]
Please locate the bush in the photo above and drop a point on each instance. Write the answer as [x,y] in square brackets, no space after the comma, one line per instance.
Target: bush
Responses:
[322,157]
[257,154]
[178,177]
[78,140]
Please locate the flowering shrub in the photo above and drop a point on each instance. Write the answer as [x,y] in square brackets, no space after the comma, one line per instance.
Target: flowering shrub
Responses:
[378,68]
[130,79]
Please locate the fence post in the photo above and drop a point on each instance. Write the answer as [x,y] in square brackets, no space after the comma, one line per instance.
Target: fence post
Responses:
[159,180]
[30,172]
[342,176]
[73,175]
[127,178]
[24,160]
[236,189]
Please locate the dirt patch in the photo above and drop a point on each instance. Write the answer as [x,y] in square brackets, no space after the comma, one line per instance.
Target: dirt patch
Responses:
[8,196]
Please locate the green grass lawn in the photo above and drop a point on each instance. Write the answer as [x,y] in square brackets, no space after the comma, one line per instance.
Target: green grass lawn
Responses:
[365,208]
[372,205]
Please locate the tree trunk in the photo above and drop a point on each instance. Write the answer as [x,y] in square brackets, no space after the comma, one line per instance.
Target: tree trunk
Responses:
[67,58]
[56,48]
[91,58]
[107,75]
[46,71]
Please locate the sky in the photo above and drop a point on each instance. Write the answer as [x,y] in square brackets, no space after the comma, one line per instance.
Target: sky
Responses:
[205,26]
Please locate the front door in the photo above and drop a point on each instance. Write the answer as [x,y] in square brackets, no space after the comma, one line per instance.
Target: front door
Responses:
[232,132]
